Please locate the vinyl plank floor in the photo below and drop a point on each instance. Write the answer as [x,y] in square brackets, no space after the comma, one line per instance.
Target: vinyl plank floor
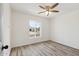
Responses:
[47,48]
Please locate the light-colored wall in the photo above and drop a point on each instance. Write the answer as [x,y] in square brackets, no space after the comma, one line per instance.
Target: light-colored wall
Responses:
[5,26]
[0,23]
[20,27]
[65,29]
[0,32]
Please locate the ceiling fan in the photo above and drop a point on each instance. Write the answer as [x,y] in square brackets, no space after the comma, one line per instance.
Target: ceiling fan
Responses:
[49,8]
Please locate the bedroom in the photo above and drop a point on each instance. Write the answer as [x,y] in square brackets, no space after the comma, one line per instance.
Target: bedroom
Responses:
[25,30]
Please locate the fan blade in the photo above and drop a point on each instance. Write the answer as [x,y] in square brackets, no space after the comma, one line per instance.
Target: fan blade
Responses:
[54,11]
[41,12]
[56,4]
[42,7]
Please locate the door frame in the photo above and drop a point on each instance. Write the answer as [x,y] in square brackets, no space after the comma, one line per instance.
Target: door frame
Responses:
[5,27]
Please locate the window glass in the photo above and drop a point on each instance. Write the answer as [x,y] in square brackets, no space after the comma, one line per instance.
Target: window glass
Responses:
[34,29]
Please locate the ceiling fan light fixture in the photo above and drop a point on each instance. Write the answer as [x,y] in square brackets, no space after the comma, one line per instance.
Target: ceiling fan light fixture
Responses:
[47,13]
[49,8]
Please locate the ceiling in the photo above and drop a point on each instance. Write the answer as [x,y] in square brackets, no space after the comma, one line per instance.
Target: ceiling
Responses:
[32,8]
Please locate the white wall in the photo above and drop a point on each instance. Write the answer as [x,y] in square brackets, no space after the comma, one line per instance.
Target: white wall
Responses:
[5,24]
[0,32]
[20,23]
[0,23]
[65,29]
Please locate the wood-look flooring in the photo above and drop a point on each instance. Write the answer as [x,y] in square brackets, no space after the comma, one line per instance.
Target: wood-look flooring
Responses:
[47,48]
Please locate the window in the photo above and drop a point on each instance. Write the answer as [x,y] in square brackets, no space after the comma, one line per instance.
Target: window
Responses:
[34,29]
